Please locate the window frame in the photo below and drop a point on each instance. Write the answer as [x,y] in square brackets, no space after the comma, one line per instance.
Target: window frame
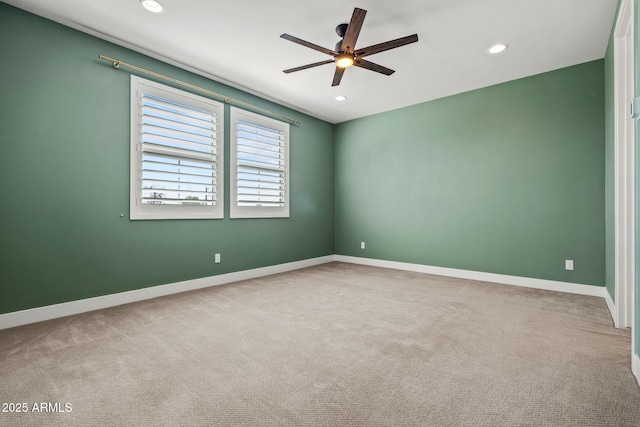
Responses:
[142,211]
[236,211]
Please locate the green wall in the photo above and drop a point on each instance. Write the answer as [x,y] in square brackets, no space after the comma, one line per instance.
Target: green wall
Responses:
[64,179]
[507,179]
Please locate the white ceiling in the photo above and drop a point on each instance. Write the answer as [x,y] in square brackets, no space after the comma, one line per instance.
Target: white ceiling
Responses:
[238,42]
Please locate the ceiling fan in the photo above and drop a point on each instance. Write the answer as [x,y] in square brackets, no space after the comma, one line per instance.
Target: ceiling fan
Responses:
[345,54]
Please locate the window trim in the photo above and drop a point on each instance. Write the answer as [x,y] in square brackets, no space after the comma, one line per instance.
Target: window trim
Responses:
[236,211]
[139,211]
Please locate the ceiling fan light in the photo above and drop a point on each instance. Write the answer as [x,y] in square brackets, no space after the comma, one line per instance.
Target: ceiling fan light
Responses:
[340,98]
[152,5]
[344,61]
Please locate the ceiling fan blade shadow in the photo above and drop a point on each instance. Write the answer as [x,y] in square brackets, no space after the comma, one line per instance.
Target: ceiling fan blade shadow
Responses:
[337,76]
[381,47]
[309,44]
[353,30]
[363,63]
[304,67]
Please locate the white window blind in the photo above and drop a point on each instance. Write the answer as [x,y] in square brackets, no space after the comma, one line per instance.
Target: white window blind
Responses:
[176,154]
[178,160]
[260,166]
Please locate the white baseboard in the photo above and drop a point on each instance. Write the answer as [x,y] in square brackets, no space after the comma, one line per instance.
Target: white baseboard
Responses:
[610,305]
[635,367]
[39,314]
[551,285]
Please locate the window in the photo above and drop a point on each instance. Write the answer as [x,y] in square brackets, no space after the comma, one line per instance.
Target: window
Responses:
[259,166]
[176,153]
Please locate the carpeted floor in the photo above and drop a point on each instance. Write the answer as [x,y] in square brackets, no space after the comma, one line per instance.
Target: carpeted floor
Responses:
[333,345]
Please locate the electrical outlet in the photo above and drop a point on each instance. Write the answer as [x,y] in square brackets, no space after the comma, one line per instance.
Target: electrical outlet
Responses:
[361,245]
[568,264]
[217,258]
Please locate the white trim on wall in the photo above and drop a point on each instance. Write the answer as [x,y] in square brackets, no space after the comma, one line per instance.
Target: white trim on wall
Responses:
[550,285]
[39,314]
[624,159]
[635,367]
[25,317]
[610,305]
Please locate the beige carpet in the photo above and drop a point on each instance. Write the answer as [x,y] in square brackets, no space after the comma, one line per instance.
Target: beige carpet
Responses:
[333,345]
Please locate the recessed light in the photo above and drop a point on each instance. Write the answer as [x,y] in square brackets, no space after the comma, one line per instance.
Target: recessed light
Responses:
[497,48]
[340,98]
[152,5]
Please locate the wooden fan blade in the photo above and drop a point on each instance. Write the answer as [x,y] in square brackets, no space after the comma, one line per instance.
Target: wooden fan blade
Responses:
[337,76]
[363,63]
[304,67]
[381,47]
[353,30]
[309,44]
